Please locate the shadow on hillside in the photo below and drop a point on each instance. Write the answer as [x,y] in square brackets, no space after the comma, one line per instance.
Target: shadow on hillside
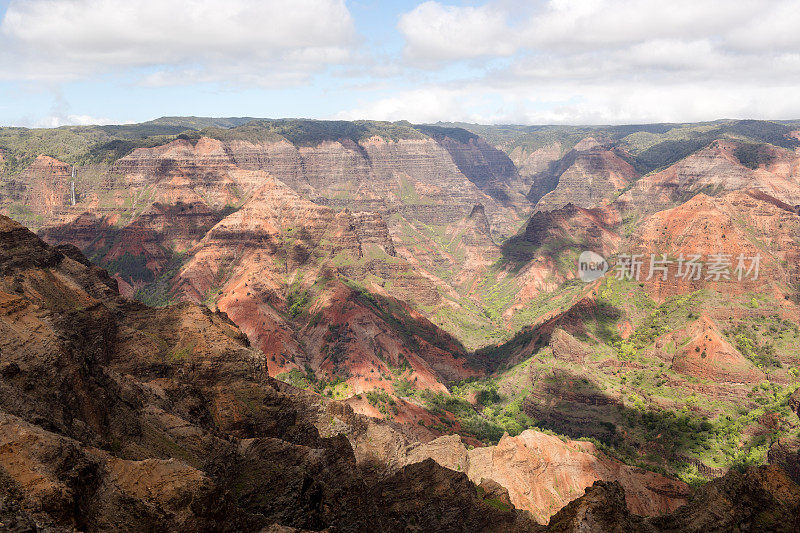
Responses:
[547,180]
[529,245]
[518,250]
[551,235]
[579,405]
[487,172]
[578,320]
[575,405]
[411,329]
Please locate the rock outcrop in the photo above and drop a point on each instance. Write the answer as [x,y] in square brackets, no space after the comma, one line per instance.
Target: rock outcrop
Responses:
[713,170]
[701,350]
[588,176]
[42,192]
[245,262]
[245,219]
[326,243]
[491,170]
[786,454]
[546,252]
[762,499]
[542,473]
[794,402]
[373,175]
[532,166]
[706,226]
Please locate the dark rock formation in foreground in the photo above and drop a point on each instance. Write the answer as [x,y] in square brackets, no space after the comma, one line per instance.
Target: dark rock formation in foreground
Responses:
[761,499]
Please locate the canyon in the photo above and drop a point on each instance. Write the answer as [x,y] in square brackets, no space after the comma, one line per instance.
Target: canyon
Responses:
[408,294]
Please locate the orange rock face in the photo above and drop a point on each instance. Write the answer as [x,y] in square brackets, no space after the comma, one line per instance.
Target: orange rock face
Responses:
[44,189]
[243,258]
[701,351]
[712,170]
[543,473]
[707,226]
[278,236]
[327,253]
[368,176]
[588,176]
[554,238]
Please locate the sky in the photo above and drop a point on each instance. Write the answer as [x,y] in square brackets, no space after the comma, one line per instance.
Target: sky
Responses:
[522,62]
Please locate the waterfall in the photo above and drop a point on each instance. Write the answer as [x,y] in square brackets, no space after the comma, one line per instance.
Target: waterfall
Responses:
[72,187]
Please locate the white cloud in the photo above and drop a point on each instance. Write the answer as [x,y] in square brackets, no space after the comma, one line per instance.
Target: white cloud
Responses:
[594,61]
[66,38]
[673,54]
[773,29]
[613,103]
[435,33]
[660,61]
[603,61]
[54,121]
[599,23]
[418,105]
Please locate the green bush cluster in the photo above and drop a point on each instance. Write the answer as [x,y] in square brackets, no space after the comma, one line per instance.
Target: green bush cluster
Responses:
[384,403]
[297,300]
[487,421]
[132,267]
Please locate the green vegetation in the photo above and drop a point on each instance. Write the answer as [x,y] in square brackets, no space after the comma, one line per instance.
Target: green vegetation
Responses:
[456,133]
[313,132]
[529,138]
[487,420]
[334,387]
[297,301]
[85,145]
[110,151]
[637,431]
[499,504]
[611,381]
[753,155]
[383,402]
[180,353]
[674,312]
[760,337]
[652,146]
[132,267]
[80,145]
[159,293]
[408,194]
[298,378]
[494,502]
[404,387]
[642,411]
